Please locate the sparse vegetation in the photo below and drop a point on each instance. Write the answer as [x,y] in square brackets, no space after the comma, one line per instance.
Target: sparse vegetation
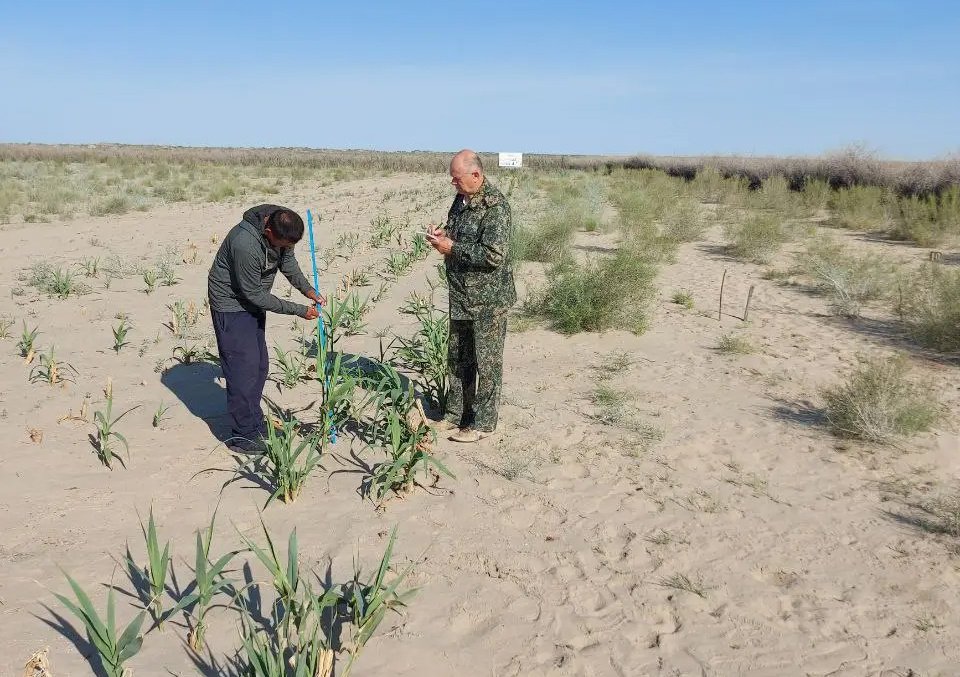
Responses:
[878,402]
[730,344]
[683,298]
[104,442]
[848,281]
[50,370]
[59,282]
[757,237]
[930,307]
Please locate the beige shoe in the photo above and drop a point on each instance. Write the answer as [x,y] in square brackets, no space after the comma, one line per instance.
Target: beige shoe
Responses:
[468,435]
[444,425]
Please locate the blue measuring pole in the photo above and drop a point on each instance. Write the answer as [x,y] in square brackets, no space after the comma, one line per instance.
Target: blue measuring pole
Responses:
[321,329]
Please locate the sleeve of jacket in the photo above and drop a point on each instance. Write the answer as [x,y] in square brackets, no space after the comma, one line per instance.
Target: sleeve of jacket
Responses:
[492,247]
[291,270]
[247,266]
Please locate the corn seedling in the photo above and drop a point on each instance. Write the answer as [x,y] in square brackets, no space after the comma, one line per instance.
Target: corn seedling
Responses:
[370,601]
[160,414]
[50,370]
[292,365]
[55,281]
[113,650]
[193,354]
[154,574]
[106,435]
[167,273]
[406,447]
[356,278]
[183,317]
[91,266]
[419,248]
[150,279]
[349,241]
[120,334]
[209,581]
[426,352]
[398,263]
[288,459]
[26,343]
[417,304]
[383,230]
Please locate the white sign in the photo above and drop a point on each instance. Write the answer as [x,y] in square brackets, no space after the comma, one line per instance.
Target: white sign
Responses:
[511,159]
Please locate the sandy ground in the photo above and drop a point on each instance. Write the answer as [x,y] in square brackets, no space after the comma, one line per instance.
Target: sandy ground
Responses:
[560,570]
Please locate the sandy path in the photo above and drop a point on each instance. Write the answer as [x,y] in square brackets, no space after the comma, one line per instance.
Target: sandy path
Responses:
[557,571]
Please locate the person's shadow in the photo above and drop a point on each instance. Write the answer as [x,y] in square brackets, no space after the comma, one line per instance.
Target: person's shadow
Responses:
[197,386]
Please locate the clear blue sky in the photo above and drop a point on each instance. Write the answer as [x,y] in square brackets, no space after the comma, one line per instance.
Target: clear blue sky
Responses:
[568,77]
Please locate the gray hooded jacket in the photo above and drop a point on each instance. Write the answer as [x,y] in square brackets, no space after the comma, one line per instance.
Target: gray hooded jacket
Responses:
[243,271]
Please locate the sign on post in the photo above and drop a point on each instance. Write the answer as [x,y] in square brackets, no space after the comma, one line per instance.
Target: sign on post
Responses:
[511,159]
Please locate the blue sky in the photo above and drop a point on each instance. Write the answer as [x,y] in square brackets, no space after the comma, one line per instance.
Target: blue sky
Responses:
[566,77]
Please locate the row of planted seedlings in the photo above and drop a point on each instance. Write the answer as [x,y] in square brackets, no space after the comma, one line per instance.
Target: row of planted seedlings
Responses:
[371,401]
[312,622]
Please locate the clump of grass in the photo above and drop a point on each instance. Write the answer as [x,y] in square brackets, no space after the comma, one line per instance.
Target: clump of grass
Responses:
[90,266]
[293,366]
[930,307]
[57,282]
[860,207]
[729,344]
[5,324]
[683,222]
[757,238]
[398,263]
[878,402]
[683,298]
[113,650]
[114,204]
[848,281]
[547,241]
[605,293]
[680,581]
[927,220]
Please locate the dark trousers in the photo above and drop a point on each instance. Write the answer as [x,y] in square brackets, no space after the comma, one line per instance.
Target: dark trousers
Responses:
[475,370]
[242,342]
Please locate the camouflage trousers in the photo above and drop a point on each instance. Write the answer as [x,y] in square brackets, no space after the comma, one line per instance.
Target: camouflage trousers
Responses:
[475,365]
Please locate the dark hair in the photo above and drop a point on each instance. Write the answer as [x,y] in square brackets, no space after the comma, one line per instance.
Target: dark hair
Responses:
[287,225]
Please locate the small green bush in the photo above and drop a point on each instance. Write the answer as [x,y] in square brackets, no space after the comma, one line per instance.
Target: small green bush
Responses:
[878,402]
[604,293]
[734,345]
[848,281]
[928,220]
[860,207]
[930,306]
[757,238]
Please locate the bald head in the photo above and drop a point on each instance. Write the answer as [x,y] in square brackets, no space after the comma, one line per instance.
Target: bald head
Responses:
[466,172]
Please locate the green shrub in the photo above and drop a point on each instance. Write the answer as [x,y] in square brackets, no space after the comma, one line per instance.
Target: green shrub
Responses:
[848,281]
[757,238]
[599,294]
[928,220]
[930,306]
[734,345]
[116,204]
[878,402]
[683,222]
[860,207]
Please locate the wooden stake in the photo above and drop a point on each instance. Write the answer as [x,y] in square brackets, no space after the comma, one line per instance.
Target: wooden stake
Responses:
[722,282]
[746,310]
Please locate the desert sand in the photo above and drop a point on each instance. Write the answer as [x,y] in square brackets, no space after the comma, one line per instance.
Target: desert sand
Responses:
[552,550]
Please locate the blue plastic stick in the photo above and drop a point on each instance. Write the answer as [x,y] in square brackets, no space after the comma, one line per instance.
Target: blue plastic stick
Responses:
[321,329]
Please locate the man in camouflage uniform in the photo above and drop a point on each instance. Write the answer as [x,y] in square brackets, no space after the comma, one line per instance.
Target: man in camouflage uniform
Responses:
[475,245]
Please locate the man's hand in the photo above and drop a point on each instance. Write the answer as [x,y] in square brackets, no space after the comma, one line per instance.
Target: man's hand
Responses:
[440,242]
[312,313]
[319,299]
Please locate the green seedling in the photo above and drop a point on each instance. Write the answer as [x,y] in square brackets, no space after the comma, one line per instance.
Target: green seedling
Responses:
[120,334]
[167,274]
[426,352]
[26,343]
[160,414]
[106,435]
[52,371]
[114,651]
[288,460]
[293,366]
[150,279]
[370,601]
[193,354]
[91,266]
[5,325]
[183,317]
[398,263]
[419,247]
[155,572]
[349,241]
[683,298]
[209,581]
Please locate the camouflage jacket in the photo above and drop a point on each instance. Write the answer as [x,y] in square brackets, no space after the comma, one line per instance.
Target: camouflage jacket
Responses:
[479,268]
